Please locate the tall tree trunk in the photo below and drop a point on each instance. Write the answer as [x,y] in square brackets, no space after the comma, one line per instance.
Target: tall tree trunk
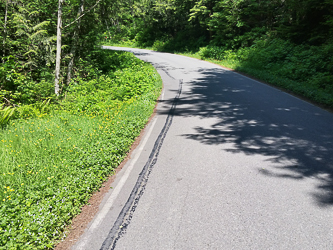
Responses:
[5,33]
[74,45]
[58,58]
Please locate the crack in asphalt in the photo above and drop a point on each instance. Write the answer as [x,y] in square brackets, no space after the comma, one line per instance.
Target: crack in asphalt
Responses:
[125,216]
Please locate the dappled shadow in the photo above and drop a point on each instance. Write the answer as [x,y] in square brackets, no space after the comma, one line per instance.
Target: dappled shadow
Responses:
[296,137]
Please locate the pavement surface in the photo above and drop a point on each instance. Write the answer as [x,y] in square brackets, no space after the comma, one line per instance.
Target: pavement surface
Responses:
[226,163]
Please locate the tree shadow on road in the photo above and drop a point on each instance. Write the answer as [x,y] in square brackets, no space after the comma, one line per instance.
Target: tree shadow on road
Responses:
[258,119]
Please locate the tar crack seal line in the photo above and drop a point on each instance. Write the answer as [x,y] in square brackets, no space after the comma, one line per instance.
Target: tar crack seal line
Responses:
[126,214]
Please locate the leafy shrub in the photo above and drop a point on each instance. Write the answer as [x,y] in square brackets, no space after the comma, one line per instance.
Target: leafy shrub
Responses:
[8,73]
[303,69]
[213,52]
[16,88]
[158,45]
[131,79]
[32,92]
[55,158]
[5,115]
[35,110]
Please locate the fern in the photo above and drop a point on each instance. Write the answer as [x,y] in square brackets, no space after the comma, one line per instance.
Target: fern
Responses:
[42,107]
[41,25]
[6,115]
[31,51]
[39,32]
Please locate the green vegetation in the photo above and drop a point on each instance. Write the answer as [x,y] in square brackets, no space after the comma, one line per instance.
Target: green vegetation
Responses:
[285,43]
[53,160]
[57,147]
[28,45]
[300,69]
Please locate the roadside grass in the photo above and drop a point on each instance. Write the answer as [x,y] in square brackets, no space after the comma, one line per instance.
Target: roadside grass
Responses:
[53,162]
[306,90]
[300,70]
[305,71]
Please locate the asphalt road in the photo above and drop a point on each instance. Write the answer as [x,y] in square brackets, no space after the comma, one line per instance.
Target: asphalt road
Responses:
[226,163]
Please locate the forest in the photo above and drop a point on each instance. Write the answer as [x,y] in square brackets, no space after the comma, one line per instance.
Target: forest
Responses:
[286,39]
[58,146]
[59,142]
[287,43]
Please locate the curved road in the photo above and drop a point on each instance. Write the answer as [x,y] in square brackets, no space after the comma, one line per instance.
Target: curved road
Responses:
[226,163]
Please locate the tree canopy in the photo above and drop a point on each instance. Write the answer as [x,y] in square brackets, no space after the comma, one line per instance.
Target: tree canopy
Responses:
[29,39]
[29,32]
[236,23]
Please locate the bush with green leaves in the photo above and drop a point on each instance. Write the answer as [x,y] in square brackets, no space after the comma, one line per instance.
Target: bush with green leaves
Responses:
[17,88]
[302,69]
[59,154]
[5,115]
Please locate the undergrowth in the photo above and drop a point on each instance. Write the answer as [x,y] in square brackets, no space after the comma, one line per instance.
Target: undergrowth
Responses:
[54,158]
[300,69]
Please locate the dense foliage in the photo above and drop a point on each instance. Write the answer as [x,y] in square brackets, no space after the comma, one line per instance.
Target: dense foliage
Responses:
[288,43]
[28,45]
[57,149]
[301,69]
[54,159]
[228,23]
